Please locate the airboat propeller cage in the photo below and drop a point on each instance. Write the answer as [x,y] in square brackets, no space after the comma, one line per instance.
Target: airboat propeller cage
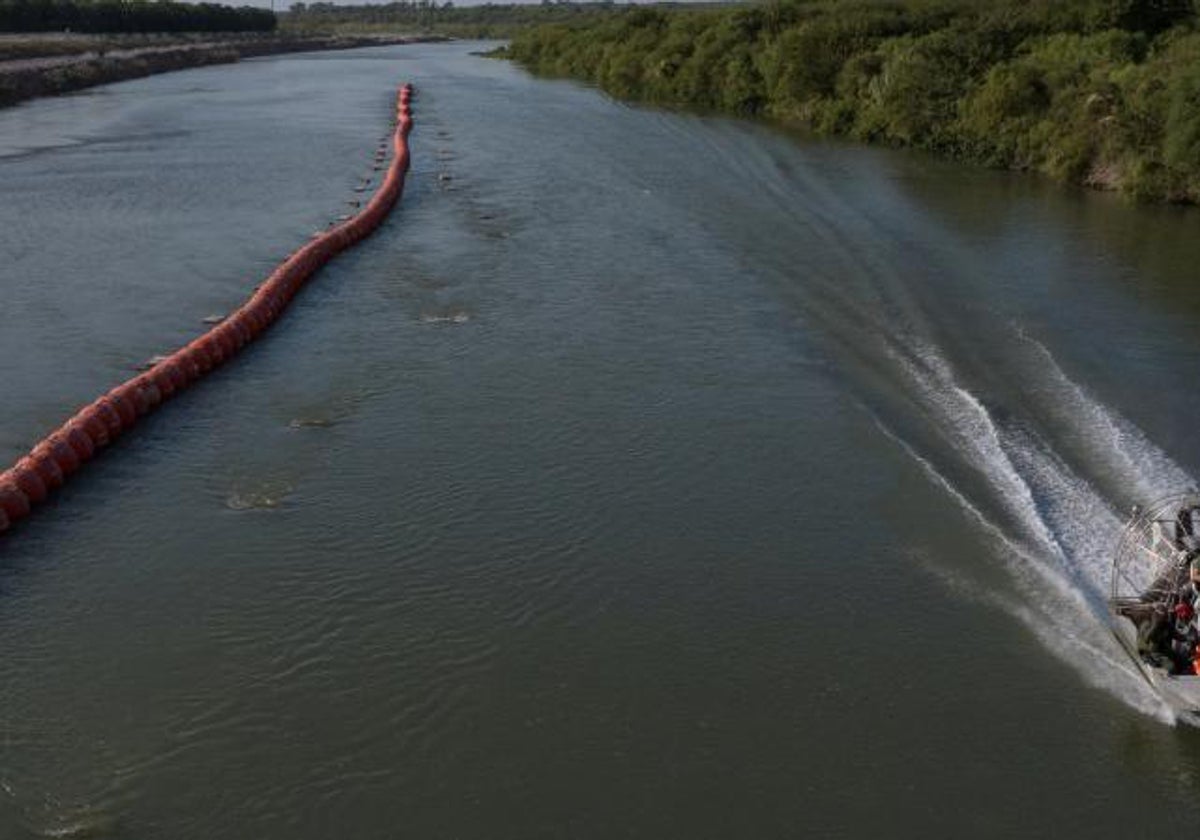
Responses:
[1160,541]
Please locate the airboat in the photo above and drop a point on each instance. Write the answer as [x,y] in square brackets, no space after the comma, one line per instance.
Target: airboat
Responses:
[1149,580]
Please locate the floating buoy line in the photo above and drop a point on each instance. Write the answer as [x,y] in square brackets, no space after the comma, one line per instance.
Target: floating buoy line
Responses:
[61,453]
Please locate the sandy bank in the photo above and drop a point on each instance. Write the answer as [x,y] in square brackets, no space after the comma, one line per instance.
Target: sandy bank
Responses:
[27,78]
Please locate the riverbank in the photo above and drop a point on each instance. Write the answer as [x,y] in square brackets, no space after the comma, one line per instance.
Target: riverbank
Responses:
[47,66]
[1106,97]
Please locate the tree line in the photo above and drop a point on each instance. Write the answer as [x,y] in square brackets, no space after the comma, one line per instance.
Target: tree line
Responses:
[489,20]
[1105,92]
[130,16]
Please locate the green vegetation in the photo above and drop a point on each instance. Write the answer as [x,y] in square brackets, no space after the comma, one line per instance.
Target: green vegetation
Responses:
[1099,92]
[130,16]
[485,21]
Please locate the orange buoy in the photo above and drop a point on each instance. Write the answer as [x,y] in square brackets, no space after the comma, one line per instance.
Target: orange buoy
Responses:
[79,441]
[169,378]
[240,327]
[188,364]
[13,501]
[162,381]
[224,341]
[136,397]
[63,451]
[146,385]
[111,418]
[253,320]
[26,476]
[62,454]
[216,349]
[48,470]
[125,408]
[199,357]
[89,420]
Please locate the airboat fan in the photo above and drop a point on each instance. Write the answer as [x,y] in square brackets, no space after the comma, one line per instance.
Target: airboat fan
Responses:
[1158,543]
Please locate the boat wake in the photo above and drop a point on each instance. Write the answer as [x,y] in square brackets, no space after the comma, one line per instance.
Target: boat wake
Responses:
[1052,528]
[925,327]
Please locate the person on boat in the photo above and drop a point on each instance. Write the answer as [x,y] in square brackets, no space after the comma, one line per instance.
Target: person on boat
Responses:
[1168,636]
[1188,631]
[1154,639]
[1184,637]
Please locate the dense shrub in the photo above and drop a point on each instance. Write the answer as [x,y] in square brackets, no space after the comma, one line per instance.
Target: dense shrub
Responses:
[486,20]
[1105,92]
[129,16]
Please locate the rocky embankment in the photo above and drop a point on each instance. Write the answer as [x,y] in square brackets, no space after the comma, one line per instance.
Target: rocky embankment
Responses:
[27,78]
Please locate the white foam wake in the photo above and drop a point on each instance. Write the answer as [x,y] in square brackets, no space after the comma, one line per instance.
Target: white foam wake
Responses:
[1112,439]
[1056,531]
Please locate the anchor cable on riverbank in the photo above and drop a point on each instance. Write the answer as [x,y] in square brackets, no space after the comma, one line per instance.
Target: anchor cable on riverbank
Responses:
[62,452]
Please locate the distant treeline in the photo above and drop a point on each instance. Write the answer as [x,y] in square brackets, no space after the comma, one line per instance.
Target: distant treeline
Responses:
[130,16]
[1104,92]
[484,21]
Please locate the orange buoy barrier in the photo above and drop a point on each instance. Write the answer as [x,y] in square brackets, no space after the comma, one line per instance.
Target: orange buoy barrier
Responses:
[63,451]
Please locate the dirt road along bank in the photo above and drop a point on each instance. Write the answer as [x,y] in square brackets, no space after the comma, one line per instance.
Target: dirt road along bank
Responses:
[46,75]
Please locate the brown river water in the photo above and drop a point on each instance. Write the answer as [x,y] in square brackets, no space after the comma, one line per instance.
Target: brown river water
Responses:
[646,475]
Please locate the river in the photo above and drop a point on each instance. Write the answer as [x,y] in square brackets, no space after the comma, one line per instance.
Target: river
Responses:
[645,475]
